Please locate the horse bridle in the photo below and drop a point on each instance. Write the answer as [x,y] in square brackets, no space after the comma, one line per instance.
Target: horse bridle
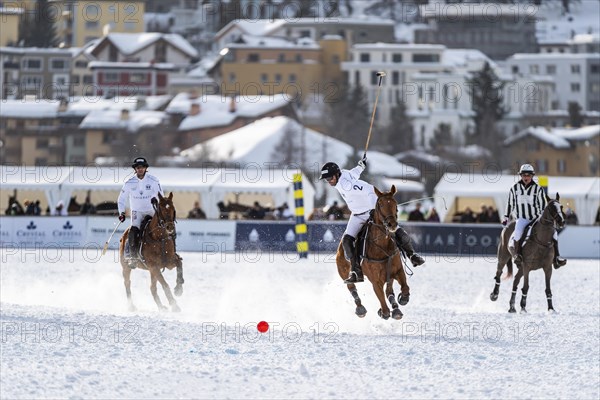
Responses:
[385,219]
[553,214]
[161,218]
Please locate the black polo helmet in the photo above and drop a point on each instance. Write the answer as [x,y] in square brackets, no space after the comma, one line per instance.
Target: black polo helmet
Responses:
[329,169]
[140,161]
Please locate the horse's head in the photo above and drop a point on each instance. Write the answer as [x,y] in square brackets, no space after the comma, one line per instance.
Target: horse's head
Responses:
[165,211]
[386,209]
[554,209]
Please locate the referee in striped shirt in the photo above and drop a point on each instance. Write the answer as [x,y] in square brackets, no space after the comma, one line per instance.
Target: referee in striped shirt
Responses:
[526,201]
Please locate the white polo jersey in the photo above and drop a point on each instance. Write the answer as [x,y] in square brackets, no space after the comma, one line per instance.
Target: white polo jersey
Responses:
[358,194]
[139,192]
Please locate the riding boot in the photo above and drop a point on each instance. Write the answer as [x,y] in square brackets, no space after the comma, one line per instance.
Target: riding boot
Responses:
[558,260]
[134,246]
[403,242]
[356,274]
[518,257]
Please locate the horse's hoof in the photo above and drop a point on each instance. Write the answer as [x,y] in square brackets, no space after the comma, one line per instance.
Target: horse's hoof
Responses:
[512,310]
[403,299]
[523,310]
[493,296]
[551,311]
[397,314]
[178,291]
[361,311]
[382,315]
[175,308]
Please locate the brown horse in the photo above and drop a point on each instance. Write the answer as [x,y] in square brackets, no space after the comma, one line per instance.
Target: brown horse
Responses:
[158,252]
[381,262]
[537,251]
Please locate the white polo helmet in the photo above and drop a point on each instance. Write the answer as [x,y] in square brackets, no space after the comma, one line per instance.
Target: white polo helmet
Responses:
[526,169]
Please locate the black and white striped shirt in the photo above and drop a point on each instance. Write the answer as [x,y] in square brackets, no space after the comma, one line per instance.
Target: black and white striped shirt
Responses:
[526,202]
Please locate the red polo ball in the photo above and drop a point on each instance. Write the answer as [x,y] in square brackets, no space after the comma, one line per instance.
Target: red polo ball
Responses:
[262,326]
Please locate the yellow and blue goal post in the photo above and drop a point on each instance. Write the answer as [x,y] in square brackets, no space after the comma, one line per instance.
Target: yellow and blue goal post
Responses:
[301,230]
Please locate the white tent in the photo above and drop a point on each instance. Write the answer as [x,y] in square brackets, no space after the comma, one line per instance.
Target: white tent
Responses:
[456,191]
[208,185]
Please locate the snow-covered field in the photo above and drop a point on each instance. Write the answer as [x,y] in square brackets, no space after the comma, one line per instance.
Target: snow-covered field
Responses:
[66,332]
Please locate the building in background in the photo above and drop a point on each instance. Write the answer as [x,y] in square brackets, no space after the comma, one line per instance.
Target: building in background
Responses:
[9,22]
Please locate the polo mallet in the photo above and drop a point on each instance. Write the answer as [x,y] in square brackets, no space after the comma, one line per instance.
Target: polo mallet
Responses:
[380,74]
[110,238]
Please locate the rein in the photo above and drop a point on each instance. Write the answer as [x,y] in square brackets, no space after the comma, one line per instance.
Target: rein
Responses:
[161,235]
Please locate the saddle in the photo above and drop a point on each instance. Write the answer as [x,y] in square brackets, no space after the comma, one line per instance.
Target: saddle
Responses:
[143,226]
[360,243]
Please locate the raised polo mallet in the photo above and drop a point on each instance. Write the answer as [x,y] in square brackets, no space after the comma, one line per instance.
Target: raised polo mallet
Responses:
[380,74]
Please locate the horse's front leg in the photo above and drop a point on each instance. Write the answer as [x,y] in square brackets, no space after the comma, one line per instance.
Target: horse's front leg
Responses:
[384,311]
[153,278]
[524,290]
[389,293]
[548,275]
[360,311]
[513,295]
[167,290]
[127,282]
[404,295]
[179,287]
[499,268]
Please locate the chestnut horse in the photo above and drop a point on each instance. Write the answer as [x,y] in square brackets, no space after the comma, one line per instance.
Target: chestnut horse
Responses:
[537,252]
[158,252]
[381,262]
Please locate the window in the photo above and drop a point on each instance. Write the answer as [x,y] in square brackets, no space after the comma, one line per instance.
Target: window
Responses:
[253,57]
[561,165]
[264,78]
[75,79]
[304,33]
[395,78]
[41,161]
[292,78]
[365,57]
[542,166]
[232,77]
[81,64]
[575,69]
[575,87]
[79,141]
[160,51]
[595,69]
[32,64]
[88,79]
[29,82]
[106,137]
[281,58]
[423,58]
[534,69]
[515,69]
[397,58]
[298,58]
[41,143]
[551,69]
[356,78]
[58,65]
[277,78]
[138,77]
[111,77]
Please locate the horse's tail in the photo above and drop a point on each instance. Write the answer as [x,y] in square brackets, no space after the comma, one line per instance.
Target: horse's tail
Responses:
[509,270]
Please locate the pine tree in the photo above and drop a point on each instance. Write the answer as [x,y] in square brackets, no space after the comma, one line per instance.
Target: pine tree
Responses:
[485,90]
[350,117]
[575,117]
[398,135]
[38,29]
[442,136]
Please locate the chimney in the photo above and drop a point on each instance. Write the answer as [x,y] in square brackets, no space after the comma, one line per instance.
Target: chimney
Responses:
[232,108]
[63,105]
[124,114]
[194,109]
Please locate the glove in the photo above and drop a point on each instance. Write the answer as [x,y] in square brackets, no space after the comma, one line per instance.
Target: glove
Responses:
[154,201]
[505,221]
[363,162]
[122,217]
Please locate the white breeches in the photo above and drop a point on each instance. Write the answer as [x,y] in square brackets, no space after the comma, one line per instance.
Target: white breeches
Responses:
[138,216]
[355,223]
[521,223]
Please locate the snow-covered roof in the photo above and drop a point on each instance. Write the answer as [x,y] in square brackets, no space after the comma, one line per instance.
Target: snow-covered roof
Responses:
[111,119]
[258,27]
[557,137]
[274,43]
[29,108]
[130,65]
[399,46]
[131,43]
[82,106]
[156,102]
[214,109]
[466,58]
[257,143]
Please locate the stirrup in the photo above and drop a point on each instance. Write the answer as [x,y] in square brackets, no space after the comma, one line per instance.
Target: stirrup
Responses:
[354,278]
[559,262]
[416,260]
